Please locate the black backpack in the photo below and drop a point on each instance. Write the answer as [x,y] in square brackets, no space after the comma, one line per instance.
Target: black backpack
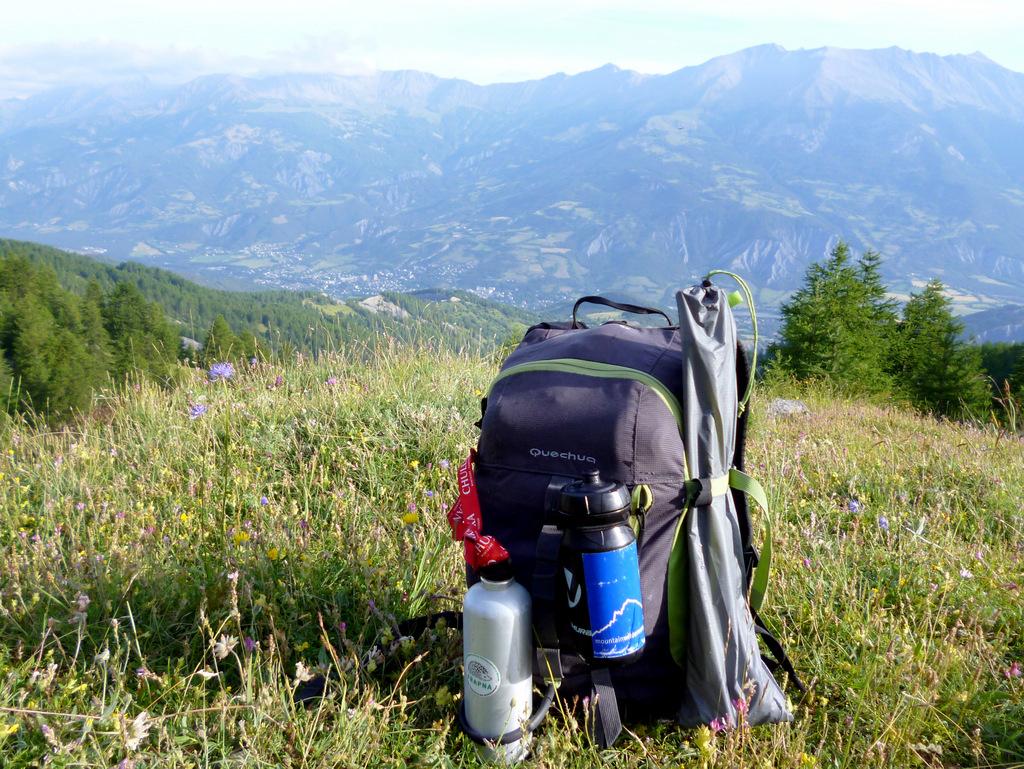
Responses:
[661,410]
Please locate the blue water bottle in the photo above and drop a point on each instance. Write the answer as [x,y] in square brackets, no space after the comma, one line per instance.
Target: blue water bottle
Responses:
[601,613]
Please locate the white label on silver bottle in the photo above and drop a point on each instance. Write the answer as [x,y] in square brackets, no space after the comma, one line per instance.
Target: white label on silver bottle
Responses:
[482,676]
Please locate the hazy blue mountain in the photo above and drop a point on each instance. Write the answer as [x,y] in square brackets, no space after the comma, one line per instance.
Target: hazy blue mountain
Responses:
[537,191]
[1002,324]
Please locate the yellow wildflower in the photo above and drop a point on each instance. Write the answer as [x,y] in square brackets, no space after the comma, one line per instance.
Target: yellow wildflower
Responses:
[443,697]
[410,518]
[183,517]
[414,464]
[273,554]
[241,537]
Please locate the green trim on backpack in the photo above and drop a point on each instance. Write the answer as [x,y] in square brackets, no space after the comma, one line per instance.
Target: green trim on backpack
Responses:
[678,576]
[740,481]
[678,593]
[604,371]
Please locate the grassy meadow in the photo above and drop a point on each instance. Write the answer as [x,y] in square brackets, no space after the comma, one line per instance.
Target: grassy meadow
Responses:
[173,566]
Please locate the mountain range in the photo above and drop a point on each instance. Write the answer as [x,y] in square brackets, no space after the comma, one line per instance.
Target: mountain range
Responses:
[534,192]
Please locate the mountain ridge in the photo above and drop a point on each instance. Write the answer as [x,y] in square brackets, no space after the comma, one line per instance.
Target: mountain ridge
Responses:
[536,191]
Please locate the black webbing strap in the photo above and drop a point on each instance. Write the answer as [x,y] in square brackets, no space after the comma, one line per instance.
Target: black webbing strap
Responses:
[416,626]
[547,660]
[781,659]
[607,723]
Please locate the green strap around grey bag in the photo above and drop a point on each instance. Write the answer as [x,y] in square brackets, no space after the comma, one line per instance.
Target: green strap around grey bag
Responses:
[718,648]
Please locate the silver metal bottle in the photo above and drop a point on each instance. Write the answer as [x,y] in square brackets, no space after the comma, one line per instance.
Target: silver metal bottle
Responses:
[497,662]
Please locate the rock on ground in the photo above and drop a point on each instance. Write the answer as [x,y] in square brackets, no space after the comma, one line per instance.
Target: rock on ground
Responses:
[783,407]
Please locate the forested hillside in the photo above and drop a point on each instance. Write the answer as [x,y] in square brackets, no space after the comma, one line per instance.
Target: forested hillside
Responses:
[70,324]
[307,321]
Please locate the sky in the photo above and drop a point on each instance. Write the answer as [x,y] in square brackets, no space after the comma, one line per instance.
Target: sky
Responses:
[47,43]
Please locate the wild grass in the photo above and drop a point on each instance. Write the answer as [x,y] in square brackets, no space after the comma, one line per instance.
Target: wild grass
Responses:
[168,580]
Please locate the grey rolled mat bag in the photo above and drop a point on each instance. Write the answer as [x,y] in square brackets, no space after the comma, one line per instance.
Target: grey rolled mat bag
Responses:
[724,671]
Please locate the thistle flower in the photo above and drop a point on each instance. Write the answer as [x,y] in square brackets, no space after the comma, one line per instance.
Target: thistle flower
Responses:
[224,646]
[222,370]
[137,731]
[82,602]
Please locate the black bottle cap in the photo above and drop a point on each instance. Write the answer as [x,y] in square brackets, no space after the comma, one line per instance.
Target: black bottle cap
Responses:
[594,502]
[499,571]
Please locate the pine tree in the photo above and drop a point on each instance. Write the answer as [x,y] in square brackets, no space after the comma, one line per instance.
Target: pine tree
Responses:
[142,339]
[32,330]
[839,326]
[221,344]
[937,370]
[1017,377]
[97,340]
[8,387]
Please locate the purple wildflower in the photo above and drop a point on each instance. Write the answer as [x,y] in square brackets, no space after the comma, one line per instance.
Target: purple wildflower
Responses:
[741,705]
[222,370]
[331,381]
[1014,671]
[304,524]
[196,410]
[966,573]
[278,380]
[445,464]
[807,563]
[249,644]
[264,501]
[80,506]
[430,494]
[253,361]
[853,506]
[412,507]
[342,627]
[883,523]
[720,724]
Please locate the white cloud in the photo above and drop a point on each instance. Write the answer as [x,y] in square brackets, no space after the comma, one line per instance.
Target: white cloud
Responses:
[66,42]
